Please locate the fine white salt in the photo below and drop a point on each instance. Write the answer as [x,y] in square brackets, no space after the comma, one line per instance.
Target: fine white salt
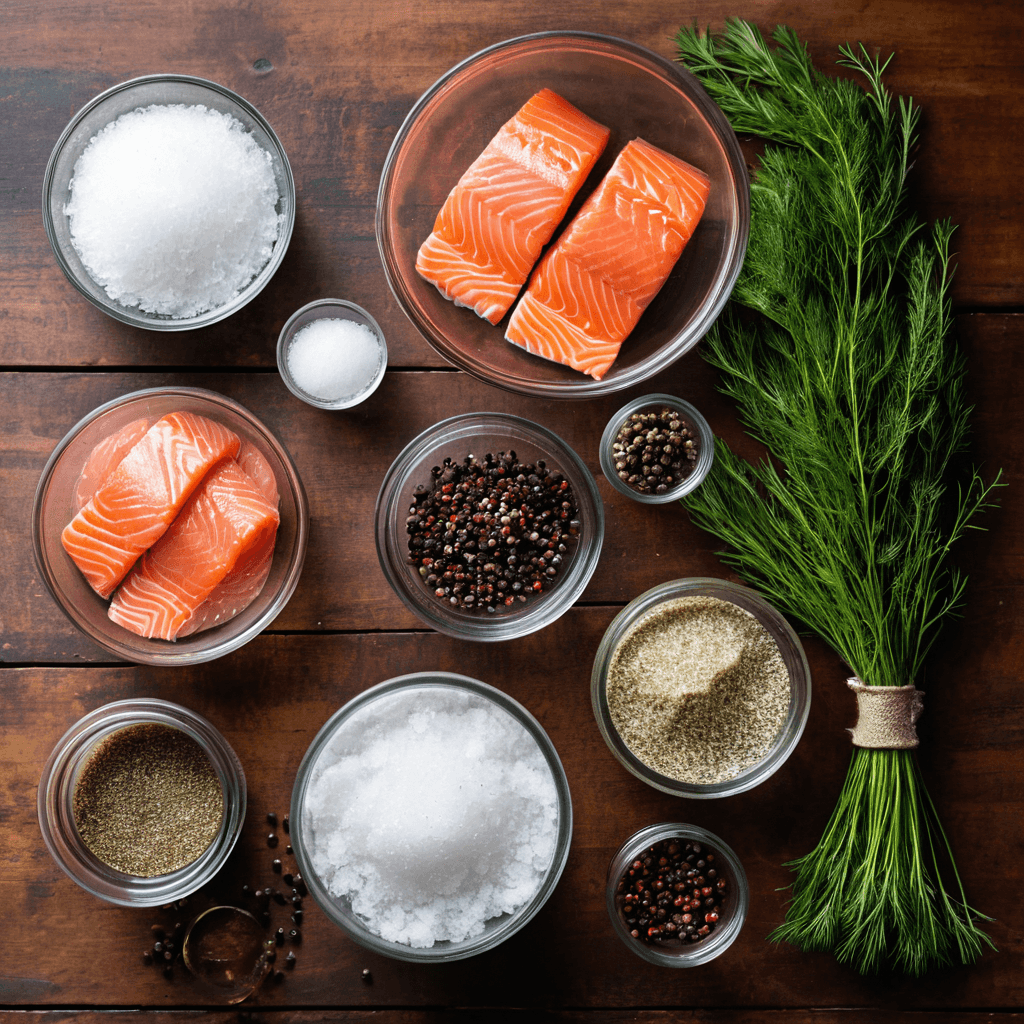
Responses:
[431,811]
[333,359]
[173,209]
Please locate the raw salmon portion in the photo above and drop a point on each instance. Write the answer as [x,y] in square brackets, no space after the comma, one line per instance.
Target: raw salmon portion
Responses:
[593,284]
[505,208]
[104,459]
[225,519]
[140,498]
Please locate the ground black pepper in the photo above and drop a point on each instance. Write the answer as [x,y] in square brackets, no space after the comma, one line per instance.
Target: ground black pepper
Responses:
[655,450]
[486,535]
[672,894]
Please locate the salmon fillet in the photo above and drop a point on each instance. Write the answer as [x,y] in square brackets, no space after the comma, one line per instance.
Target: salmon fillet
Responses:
[505,208]
[593,284]
[225,519]
[136,503]
[104,459]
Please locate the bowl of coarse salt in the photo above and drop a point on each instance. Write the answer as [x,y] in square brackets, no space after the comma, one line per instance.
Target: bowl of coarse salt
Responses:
[169,202]
[331,353]
[431,817]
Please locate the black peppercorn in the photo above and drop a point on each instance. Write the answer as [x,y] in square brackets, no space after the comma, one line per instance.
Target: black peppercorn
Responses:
[655,450]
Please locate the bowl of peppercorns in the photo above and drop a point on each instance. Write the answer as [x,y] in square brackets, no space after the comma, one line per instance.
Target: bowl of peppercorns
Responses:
[488,526]
[677,895]
[657,449]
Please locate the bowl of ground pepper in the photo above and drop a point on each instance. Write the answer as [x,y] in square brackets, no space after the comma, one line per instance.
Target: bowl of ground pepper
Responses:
[488,526]
[701,688]
[657,449]
[141,802]
[677,895]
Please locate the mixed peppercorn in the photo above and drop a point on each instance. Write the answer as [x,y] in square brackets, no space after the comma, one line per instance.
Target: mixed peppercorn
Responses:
[655,450]
[672,894]
[493,533]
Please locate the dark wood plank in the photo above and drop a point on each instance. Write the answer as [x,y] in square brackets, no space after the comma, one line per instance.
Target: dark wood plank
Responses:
[270,699]
[530,1016]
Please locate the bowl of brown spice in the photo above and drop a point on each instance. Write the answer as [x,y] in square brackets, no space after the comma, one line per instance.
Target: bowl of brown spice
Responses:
[141,802]
[701,688]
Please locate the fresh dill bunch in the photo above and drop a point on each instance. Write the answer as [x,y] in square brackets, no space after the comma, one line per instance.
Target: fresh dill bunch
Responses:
[851,380]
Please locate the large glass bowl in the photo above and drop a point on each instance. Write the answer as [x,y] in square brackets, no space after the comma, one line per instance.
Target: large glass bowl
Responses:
[339,910]
[107,107]
[477,434]
[52,511]
[632,91]
[793,656]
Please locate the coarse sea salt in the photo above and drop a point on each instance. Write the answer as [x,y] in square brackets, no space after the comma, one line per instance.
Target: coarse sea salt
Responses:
[431,810]
[173,209]
[333,359]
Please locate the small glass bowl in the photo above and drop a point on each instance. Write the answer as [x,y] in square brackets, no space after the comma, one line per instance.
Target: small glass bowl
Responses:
[497,929]
[634,92]
[477,434]
[52,511]
[56,812]
[329,309]
[793,656]
[691,416]
[100,111]
[734,908]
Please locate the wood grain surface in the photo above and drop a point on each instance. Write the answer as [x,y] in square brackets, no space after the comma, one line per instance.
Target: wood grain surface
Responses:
[335,80]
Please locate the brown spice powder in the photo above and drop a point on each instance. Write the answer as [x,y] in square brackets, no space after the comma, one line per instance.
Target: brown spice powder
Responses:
[148,801]
[698,690]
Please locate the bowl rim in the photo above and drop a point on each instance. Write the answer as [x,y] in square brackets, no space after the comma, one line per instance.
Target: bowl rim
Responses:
[515,922]
[160,655]
[781,631]
[124,313]
[535,615]
[654,364]
[705,457]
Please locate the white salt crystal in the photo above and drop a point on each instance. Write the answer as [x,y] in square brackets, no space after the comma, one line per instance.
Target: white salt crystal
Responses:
[333,359]
[431,811]
[173,209]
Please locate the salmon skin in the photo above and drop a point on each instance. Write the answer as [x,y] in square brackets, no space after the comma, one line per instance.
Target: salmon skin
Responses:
[225,519]
[136,503]
[505,208]
[593,284]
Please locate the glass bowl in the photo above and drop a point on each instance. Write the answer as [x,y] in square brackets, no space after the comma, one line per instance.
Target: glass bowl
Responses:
[56,812]
[478,434]
[792,655]
[52,511]
[691,416]
[632,91]
[107,107]
[329,309]
[342,733]
[734,908]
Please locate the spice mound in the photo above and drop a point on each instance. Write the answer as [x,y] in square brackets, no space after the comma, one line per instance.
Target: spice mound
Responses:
[655,450]
[672,894]
[148,801]
[698,690]
[432,811]
[487,535]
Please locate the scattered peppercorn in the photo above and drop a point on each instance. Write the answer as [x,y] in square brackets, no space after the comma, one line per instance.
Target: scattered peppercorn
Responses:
[655,450]
[271,818]
[275,866]
[287,828]
[289,961]
[272,840]
[672,894]
[487,535]
[367,976]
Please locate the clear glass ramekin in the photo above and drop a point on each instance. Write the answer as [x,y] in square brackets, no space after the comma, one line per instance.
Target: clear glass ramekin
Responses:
[496,930]
[793,656]
[56,812]
[734,907]
[690,415]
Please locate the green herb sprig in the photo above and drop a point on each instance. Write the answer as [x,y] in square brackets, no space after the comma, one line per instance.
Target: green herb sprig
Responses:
[851,380]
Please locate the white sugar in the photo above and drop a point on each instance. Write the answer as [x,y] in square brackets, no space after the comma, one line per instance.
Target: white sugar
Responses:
[333,359]
[431,811]
[173,209]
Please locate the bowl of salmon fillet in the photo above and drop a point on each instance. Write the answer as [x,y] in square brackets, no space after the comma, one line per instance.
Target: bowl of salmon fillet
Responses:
[170,526]
[564,214]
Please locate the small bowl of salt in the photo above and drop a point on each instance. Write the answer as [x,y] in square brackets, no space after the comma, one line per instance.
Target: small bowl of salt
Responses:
[331,353]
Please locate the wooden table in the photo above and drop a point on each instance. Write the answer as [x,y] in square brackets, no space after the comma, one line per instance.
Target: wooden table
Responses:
[335,80]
